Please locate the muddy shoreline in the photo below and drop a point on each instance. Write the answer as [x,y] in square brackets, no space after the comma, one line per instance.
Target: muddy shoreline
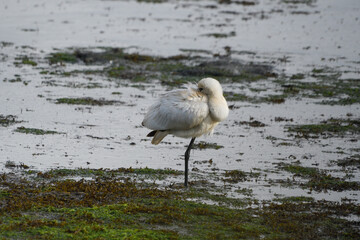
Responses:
[76,81]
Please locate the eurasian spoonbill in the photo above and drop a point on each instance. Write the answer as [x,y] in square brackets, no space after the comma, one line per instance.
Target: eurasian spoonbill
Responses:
[187,113]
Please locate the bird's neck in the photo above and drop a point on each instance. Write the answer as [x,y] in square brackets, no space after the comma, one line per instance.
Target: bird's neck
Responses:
[218,108]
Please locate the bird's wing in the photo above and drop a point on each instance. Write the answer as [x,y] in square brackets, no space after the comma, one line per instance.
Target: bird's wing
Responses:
[177,110]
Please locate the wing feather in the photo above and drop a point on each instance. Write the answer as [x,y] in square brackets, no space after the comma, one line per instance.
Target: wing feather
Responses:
[177,110]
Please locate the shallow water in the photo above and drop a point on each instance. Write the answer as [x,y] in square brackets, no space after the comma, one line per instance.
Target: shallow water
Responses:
[291,37]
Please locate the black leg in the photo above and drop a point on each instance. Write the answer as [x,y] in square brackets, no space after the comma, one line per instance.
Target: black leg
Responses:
[187,156]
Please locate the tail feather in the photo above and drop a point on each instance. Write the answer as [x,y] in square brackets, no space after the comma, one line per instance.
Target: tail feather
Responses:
[158,137]
[152,133]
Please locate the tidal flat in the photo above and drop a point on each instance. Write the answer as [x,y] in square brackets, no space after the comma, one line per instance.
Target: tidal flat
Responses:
[77,78]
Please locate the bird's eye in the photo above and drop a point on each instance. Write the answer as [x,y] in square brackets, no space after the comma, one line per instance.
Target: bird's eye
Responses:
[200,89]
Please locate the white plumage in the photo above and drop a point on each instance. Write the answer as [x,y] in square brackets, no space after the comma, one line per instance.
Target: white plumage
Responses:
[187,113]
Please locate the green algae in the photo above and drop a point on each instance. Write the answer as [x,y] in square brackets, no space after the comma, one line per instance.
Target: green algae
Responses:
[205,145]
[244,3]
[300,219]
[87,101]
[253,123]
[14,80]
[327,128]
[327,83]
[352,161]
[297,76]
[35,131]
[335,89]
[301,171]
[25,60]
[115,208]
[62,57]
[307,2]
[152,1]
[76,228]
[6,44]
[12,164]
[139,173]
[235,176]
[72,84]
[295,199]
[202,193]
[220,35]
[320,180]
[7,120]
[171,71]
[119,66]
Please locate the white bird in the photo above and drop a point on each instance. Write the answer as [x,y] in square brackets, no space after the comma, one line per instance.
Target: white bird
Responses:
[187,113]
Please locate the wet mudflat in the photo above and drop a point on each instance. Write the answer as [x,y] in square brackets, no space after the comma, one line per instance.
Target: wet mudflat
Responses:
[76,81]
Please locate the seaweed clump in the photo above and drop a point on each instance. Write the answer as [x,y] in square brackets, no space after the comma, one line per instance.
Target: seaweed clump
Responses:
[87,101]
[8,120]
[108,206]
[171,71]
[328,128]
[320,180]
[35,131]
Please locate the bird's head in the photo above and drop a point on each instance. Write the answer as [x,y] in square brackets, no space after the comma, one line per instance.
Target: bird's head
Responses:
[210,87]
